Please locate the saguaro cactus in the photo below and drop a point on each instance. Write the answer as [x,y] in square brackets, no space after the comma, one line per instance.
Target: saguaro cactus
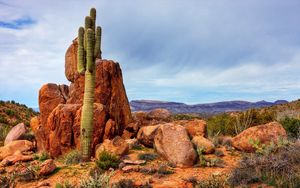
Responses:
[89,48]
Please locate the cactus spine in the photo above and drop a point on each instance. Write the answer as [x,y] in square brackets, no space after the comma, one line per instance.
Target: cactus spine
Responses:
[89,48]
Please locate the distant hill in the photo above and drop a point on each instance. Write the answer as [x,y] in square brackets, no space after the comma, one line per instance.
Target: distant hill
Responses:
[208,108]
[12,113]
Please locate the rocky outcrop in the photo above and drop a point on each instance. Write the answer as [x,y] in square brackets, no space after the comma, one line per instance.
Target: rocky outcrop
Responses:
[117,146]
[71,61]
[12,159]
[205,145]
[263,134]
[109,90]
[50,95]
[180,151]
[35,123]
[194,127]
[57,129]
[15,133]
[15,146]
[146,135]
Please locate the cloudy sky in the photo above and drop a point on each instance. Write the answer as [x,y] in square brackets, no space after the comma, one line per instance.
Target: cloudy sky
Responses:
[192,51]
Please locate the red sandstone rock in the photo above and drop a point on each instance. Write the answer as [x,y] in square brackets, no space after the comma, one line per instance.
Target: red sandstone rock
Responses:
[270,132]
[50,95]
[194,127]
[47,167]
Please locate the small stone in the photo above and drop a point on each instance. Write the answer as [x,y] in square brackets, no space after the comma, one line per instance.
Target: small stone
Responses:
[136,162]
[47,167]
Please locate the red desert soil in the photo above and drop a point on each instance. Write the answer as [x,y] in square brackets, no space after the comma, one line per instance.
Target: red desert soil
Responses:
[75,173]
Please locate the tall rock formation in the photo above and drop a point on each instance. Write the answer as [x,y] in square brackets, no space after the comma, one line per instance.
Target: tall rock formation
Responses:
[60,106]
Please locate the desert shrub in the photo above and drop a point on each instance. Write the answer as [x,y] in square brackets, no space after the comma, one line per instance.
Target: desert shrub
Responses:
[65,184]
[280,168]
[164,170]
[4,129]
[73,157]
[211,182]
[107,160]
[208,162]
[10,112]
[222,124]
[98,181]
[147,156]
[292,127]
[123,183]
[244,120]
[138,147]
[6,182]
[42,156]
[185,116]
[3,119]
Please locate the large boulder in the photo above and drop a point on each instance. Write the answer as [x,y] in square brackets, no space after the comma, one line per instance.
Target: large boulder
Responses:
[159,114]
[264,134]
[15,133]
[15,146]
[173,143]
[202,143]
[50,95]
[146,135]
[194,127]
[117,146]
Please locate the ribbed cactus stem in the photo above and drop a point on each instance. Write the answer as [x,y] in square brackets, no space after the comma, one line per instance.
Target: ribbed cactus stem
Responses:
[97,53]
[81,52]
[89,48]
[93,16]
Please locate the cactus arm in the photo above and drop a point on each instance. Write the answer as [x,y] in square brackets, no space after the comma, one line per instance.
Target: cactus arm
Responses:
[90,51]
[93,16]
[87,24]
[97,53]
[80,53]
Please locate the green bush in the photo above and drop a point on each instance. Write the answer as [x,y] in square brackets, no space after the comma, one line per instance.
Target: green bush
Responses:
[292,127]
[73,157]
[185,116]
[10,112]
[107,160]
[222,124]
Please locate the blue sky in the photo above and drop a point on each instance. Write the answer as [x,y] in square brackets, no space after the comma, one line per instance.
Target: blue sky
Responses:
[193,51]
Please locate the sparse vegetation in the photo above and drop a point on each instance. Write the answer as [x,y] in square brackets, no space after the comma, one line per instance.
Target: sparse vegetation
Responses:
[212,182]
[107,160]
[4,129]
[98,181]
[73,157]
[164,170]
[185,116]
[281,168]
[123,183]
[147,156]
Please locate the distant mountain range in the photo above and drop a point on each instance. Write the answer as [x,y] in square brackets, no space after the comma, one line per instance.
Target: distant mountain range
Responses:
[208,108]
